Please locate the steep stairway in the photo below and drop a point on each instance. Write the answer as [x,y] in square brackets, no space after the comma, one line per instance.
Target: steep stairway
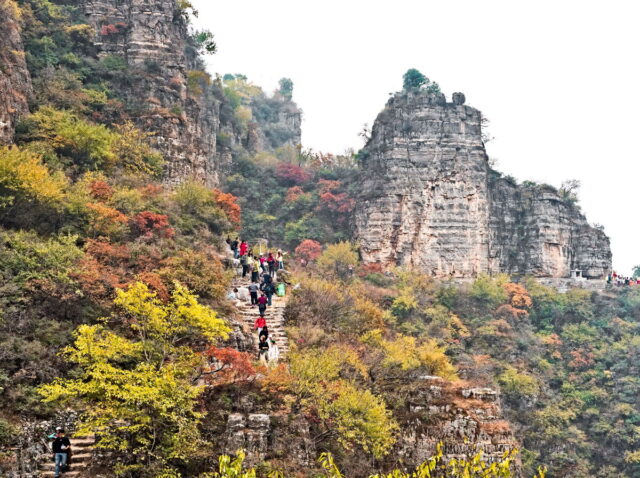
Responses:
[82,449]
[274,315]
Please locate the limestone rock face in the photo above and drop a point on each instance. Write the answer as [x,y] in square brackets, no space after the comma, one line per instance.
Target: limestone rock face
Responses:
[430,200]
[15,82]
[169,94]
[465,421]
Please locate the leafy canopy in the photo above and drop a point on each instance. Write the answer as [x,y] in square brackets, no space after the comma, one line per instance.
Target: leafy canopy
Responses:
[137,386]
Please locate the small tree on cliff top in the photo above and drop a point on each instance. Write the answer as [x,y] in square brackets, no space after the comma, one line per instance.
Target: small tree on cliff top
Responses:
[413,79]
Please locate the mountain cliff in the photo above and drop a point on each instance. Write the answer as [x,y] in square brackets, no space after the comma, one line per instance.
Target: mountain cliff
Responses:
[15,82]
[431,200]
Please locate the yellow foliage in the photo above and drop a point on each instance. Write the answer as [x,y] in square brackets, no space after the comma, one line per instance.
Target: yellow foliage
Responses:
[23,175]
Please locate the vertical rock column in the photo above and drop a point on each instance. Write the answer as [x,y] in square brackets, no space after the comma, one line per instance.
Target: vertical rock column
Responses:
[424,189]
[15,82]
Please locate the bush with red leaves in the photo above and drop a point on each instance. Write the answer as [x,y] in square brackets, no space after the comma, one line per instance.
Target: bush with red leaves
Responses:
[309,250]
[100,190]
[228,203]
[229,365]
[150,224]
[291,174]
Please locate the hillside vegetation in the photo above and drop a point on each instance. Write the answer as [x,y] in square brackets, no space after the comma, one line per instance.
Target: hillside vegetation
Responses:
[114,305]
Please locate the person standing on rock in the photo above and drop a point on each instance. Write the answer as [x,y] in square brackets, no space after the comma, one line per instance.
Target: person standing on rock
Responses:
[61,448]
[245,266]
[262,304]
[234,247]
[280,259]
[244,248]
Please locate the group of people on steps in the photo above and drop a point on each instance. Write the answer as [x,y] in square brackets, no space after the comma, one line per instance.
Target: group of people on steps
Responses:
[263,269]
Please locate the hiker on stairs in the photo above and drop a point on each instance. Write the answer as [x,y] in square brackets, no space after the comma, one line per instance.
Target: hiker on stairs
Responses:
[61,448]
[274,352]
[253,290]
[259,324]
[262,304]
[263,349]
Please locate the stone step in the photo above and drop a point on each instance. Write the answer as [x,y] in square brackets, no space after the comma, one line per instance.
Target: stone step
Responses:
[69,474]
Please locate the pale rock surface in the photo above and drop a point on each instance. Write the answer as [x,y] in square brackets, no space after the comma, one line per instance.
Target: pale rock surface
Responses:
[15,81]
[430,200]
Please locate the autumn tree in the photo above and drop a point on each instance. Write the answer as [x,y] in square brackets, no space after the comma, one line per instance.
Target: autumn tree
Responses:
[135,386]
[339,259]
[309,250]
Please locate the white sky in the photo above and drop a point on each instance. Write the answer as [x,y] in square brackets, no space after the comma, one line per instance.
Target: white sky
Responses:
[558,79]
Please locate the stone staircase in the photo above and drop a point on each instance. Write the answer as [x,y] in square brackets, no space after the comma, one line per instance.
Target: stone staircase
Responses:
[82,449]
[274,315]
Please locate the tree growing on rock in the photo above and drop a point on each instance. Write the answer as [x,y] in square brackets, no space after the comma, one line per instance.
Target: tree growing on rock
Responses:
[414,79]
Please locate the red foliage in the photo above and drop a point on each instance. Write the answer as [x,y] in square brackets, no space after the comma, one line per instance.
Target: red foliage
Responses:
[341,203]
[228,203]
[292,174]
[510,312]
[309,250]
[328,186]
[150,224]
[151,190]
[294,193]
[100,190]
[373,268]
[155,283]
[107,30]
[581,359]
[229,365]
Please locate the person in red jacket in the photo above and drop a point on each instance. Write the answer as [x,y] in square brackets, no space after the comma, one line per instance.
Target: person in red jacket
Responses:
[259,324]
[244,247]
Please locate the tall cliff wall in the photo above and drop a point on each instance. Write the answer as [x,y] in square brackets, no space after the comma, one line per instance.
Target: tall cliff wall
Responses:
[15,82]
[152,37]
[430,200]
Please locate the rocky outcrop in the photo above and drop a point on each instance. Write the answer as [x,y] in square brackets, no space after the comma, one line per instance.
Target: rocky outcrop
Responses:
[167,91]
[430,200]
[466,421]
[15,82]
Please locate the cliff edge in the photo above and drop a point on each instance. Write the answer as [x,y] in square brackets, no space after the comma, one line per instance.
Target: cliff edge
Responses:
[430,200]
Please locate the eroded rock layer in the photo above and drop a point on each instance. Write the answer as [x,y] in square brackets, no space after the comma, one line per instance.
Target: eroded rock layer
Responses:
[168,96]
[430,200]
[15,82]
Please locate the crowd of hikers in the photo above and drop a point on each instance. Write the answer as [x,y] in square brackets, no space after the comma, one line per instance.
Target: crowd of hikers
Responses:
[618,280]
[263,269]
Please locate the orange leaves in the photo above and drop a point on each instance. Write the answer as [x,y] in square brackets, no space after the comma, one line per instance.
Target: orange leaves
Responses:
[228,203]
[294,193]
[229,366]
[100,190]
[518,295]
[150,224]
[106,221]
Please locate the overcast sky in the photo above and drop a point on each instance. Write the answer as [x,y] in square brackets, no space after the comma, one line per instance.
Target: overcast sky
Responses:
[559,80]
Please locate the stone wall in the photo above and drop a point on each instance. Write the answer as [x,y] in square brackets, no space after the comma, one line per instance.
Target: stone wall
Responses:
[15,82]
[430,200]
[166,92]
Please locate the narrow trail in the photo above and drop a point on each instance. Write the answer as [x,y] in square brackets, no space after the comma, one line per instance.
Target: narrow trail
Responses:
[274,315]
[82,449]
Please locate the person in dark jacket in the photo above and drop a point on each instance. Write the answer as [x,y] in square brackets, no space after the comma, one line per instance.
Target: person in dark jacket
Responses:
[263,349]
[262,304]
[61,448]
[269,289]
